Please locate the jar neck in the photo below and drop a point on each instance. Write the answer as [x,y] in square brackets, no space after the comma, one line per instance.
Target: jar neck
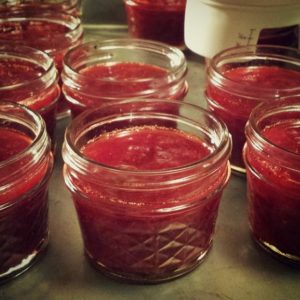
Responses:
[252,57]
[34,158]
[131,51]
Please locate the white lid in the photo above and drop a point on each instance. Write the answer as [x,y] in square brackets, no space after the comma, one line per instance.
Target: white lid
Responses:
[213,25]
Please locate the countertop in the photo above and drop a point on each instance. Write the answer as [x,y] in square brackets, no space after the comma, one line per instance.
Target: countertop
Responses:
[234,269]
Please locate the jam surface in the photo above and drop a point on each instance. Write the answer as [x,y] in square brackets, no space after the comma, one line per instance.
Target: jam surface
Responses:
[124,73]
[234,109]
[285,135]
[274,203]
[146,148]
[126,231]
[12,143]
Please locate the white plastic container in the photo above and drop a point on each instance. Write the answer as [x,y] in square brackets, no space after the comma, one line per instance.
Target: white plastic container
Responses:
[213,25]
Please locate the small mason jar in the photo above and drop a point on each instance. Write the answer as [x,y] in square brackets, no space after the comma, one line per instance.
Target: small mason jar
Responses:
[272,158]
[52,32]
[240,78]
[101,72]
[72,7]
[25,167]
[158,20]
[147,203]
[29,77]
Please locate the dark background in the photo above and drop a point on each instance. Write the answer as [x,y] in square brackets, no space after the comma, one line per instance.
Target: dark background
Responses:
[103,12]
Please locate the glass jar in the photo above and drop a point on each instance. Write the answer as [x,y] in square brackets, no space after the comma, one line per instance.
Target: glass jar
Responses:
[147,213]
[99,72]
[25,167]
[240,78]
[29,77]
[72,7]
[272,158]
[51,32]
[159,20]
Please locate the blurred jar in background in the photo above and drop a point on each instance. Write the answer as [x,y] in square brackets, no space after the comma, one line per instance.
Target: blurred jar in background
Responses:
[52,32]
[72,7]
[160,20]
[97,73]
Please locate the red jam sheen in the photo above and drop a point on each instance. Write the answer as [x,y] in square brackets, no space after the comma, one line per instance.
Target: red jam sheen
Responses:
[274,208]
[234,110]
[12,143]
[161,20]
[23,223]
[120,80]
[131,232]
[146,148]
[14,72]
[285,135]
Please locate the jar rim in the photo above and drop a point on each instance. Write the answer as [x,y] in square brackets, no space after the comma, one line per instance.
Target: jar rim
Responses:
[70,4]
[40,138]
[158,3]
[222,150]
[268,109]
[249,52]
[128,44]
[29,54]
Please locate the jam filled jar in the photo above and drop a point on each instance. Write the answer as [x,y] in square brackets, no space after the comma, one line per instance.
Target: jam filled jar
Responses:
[146,177]
[25,168]
[159,20]
[67,6]
[101,72]
[240,78]
[28,76]
[52,32]
[272,158]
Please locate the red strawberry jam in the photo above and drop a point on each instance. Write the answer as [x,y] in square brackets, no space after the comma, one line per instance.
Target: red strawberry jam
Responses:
[119,80]
[143,233]
[52,32]
[274,202]
[245,88]
[160,20]
[25,82]
[23,202]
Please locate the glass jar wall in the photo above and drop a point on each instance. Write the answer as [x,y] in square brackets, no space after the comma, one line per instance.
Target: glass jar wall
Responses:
[272,158]
[25,167]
